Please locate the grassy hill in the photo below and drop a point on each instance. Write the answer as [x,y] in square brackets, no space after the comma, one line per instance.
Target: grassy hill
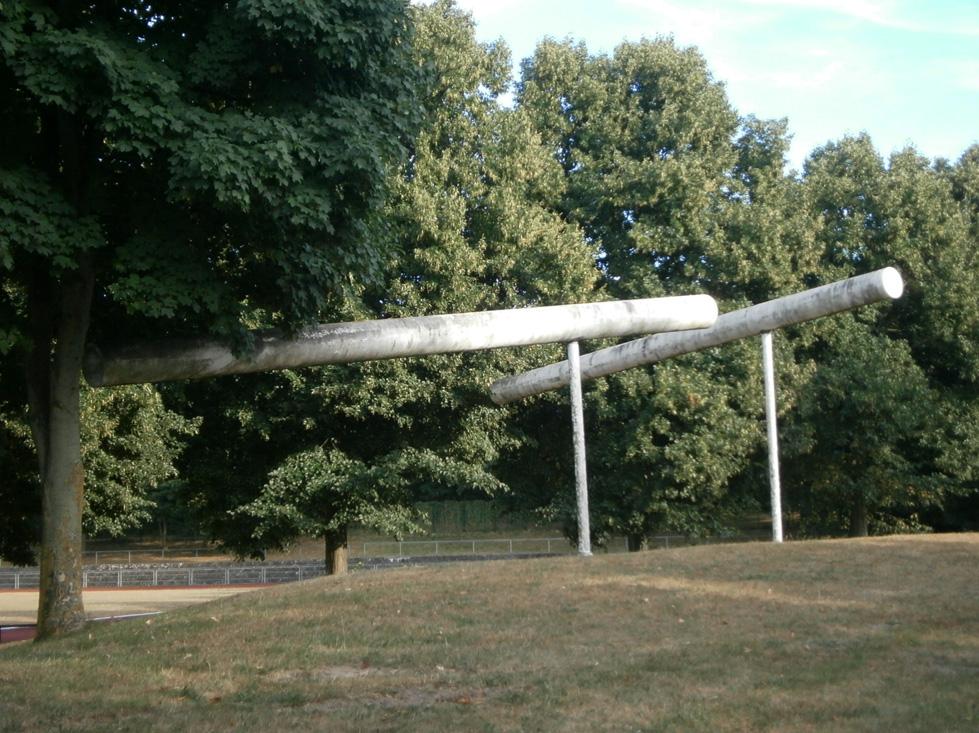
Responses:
[833,635]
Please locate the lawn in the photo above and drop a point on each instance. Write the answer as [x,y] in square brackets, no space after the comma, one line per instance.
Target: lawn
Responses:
[870,634]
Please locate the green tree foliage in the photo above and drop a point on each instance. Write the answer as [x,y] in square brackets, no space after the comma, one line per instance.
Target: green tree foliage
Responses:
[678,195]
[473,235]
[963,412]
[169,168]
[20,521]
[769,247]
[675,202]
[859,449]
[319,493]
[182,169]
[641,153]
[644,137]
[129,443]
[895,449]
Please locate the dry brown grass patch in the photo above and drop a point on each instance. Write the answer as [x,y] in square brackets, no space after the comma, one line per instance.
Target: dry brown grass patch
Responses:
[838,635]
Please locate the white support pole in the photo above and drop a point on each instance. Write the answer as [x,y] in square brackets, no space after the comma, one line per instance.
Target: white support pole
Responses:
[389,338]
[580,461]
[771,417]
[752,321]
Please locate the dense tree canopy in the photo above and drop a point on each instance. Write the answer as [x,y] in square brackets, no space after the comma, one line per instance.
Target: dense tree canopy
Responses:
[177,168]
[903,429]
[472,234]
[649,147]
[130,444]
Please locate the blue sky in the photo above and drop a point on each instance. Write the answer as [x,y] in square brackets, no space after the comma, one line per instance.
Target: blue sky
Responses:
[905,71]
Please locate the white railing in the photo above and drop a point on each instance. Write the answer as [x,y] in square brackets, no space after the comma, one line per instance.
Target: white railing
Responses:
[509,546]
[414,547]
[175,577]
[203,575]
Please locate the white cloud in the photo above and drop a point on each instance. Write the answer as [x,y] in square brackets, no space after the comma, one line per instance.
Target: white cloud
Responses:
[806,80]
[707,19]
[488,8]
[744,50]
[830,66]
[694,22]
[875,12]
[904,15]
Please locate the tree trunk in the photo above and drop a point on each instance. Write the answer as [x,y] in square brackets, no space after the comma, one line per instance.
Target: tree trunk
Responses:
[336,552]
[60,608]
[636,541]
[54,373]
[858,517]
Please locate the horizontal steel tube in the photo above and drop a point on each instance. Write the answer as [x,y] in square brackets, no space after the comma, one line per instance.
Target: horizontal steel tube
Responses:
[339,343]
[751,321]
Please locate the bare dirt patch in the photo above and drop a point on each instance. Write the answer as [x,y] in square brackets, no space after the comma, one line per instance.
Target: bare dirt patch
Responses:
[20,607]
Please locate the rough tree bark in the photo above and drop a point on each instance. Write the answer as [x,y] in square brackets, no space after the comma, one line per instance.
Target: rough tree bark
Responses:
[336,552]
[59,324]
[59,304]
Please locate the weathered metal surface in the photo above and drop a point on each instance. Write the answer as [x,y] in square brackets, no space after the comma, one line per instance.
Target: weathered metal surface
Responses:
[771,419]
[339,343]
[580,460]
[752,321]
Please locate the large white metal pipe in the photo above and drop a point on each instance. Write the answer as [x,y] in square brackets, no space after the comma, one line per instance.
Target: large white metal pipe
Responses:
[339,343]
[752,321]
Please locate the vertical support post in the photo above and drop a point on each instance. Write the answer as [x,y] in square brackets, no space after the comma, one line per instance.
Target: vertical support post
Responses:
[768,365]
[580,462]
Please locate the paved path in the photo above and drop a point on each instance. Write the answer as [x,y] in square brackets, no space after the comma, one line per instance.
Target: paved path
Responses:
[20,607]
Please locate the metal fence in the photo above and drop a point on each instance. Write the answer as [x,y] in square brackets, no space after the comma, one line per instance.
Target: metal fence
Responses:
[438,548]
[174,577]
[514,546]
[204,575]
[379,548]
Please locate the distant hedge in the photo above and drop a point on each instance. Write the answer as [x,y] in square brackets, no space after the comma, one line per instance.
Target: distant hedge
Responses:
[450,517]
